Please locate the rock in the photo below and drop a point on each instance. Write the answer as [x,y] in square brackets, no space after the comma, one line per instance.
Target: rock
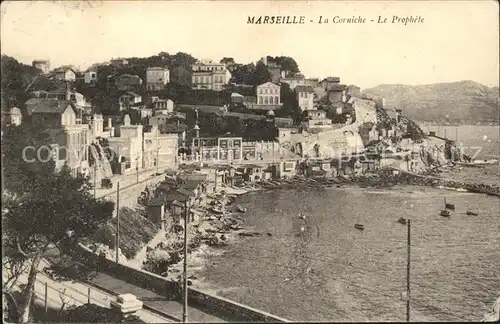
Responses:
[223,237]
[269,234]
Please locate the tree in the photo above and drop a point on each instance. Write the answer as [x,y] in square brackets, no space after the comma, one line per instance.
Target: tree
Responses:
[287,63]
[228,61]
[260,75]
[48,209]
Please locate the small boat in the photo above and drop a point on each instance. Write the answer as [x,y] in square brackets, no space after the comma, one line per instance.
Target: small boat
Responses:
[359,226]
[471,213]
[445,213]
[241,209]
[402,221]
[216,210]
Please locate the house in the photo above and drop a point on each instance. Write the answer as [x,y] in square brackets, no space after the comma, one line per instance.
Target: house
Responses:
[65,74]
[236,98]
[354,91]
[268,94]
[128,82]
[209,75]
[60,119]
[129,100]
[12,116]
[90,76]
[156,211]
[118,61]
[304,95]
[316,120]
[312,82]
[181,75]
[43,65]
[329,83]
[292,80]
[157,120]
[157,78]
[162,104]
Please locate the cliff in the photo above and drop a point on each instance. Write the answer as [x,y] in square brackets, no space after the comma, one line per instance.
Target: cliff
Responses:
[463,101]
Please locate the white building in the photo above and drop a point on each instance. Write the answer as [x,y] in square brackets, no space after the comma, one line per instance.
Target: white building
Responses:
[90,76]
[268,94]
[305,96]
[65,74]
[157,78]
[316,121]
[210,75]
[129,99]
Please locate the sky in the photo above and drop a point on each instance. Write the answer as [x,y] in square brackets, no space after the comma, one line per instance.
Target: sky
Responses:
[458,40]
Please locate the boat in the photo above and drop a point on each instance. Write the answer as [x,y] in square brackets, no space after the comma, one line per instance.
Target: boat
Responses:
[471,213]
[402,220]
[359,226]
[241,209]
[216,210]
[445,213]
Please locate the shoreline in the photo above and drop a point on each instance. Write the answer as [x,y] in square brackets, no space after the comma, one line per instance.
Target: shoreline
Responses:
[223,220]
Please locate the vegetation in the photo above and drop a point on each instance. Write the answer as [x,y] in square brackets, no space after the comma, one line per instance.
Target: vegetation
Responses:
[42,208]
[135,231]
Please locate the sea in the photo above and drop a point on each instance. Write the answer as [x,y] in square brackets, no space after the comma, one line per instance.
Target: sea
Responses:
[322,268]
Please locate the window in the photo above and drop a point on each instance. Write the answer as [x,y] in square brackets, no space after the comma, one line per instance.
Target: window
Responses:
[260,100]
[271,100]
[276,100]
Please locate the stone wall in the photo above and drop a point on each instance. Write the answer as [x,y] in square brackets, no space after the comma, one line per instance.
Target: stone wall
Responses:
[207,302]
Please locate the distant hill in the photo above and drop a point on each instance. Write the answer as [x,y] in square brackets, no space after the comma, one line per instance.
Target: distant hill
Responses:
[463,101]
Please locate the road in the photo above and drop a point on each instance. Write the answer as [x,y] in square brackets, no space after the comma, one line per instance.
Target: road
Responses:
[71,293]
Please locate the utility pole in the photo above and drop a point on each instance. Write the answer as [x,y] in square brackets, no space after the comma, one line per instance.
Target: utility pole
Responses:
[215,183]
[157,159]
[117,219]
[95,175]
[137,168]
[184,313]
[408,273]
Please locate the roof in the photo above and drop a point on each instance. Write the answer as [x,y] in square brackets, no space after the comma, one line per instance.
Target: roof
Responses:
[264,107]
[191,183]
[157,68]
[49,106]
[268,83]
[172,128]
[132,94]
[185,192]
[235,94]
[63,69]
[303,88]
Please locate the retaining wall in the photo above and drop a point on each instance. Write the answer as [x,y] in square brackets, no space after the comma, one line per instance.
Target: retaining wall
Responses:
[204,301]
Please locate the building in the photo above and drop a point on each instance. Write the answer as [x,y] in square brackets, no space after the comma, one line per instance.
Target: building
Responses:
[11,116]
[210,75]
[66,94]
[275,71]
[129,100]
[354,91]
[162,104]
[268,94]
[118,61]
[159,149]
[305,96]
[60,118]
[313,82]
[181,75]
[43,65]
[128,82]
[329,83]
[316,121]
[127,147]
[293,80]
[65,74]
[90,76]
[157,78]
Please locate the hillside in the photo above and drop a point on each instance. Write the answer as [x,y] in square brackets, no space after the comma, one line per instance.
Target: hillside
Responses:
[463,101]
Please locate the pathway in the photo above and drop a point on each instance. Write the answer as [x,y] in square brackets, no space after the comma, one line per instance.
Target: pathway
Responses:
[152,299]
[76,293]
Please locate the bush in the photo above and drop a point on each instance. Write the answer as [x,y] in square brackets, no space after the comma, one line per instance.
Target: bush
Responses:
[90,313]
[158,261]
